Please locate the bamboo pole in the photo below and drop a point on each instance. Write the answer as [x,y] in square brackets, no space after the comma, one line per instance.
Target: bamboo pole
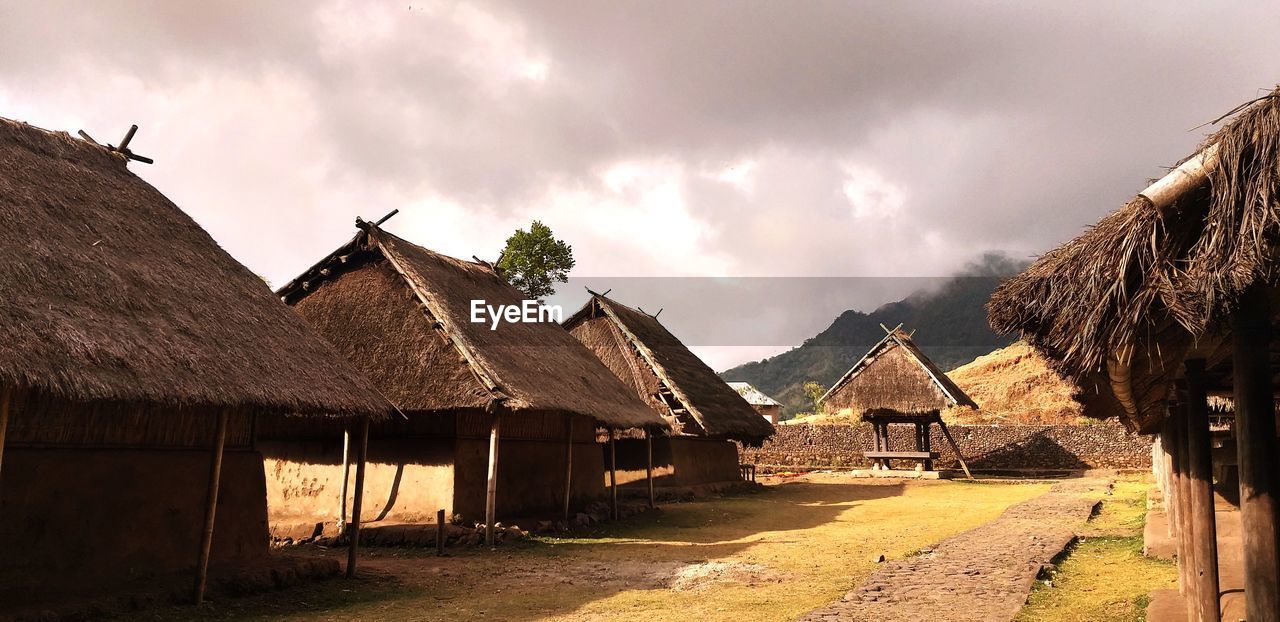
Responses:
[211,506]
[613,476]
[568,467]
[6,396]
[1256,436]
[1203,522]
[648,446]
[346,475]
[362,456]
[491,491]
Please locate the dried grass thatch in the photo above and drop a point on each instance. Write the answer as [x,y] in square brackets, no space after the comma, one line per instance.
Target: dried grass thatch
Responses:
[663,372]
[112,293]
[401,313]
[894,376]
[1133,293]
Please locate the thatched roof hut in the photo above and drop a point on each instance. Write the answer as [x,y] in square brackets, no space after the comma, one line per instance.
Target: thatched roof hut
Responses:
[419,345]
[664,373]
[768,407]
[1154,283]
[894,376]
[111,293]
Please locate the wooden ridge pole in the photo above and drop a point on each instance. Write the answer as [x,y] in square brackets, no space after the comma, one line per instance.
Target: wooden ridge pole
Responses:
[1203,522]
[210,506]
[491,491]
[613,475]
[1256,437]
[362,456]
[568,466]
[648,471]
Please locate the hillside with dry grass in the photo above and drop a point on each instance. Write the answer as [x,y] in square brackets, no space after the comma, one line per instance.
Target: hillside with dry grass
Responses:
[1015,385]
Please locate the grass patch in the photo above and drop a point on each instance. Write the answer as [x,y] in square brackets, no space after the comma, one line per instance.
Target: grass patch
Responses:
[1104,576]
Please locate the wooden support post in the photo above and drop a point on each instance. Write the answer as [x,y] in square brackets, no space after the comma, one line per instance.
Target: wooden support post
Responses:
[491,491]
[1173,501]
[648,471]
[1256,445]
[613,475]
[568,466]
[6,396]
[954,447]
[210,506]
[1186,538]
[346,477]
[1204,529]
[440,533]
[353,531]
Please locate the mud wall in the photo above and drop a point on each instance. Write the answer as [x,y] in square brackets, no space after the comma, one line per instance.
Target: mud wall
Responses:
[530,477]
[677,461]
[989,447]
[406,481]
[74,518]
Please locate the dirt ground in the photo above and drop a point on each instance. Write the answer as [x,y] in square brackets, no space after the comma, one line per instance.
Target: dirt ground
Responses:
[771,555]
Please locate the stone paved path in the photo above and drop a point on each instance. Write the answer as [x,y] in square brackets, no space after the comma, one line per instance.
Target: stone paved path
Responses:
[981,575]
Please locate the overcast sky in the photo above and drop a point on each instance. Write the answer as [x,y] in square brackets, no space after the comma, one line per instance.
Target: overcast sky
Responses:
[687,138]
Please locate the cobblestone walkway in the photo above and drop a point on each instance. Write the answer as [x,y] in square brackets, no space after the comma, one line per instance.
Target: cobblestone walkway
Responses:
[981,575]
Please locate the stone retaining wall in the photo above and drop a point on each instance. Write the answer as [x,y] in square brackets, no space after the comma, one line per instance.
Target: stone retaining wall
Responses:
[985,447]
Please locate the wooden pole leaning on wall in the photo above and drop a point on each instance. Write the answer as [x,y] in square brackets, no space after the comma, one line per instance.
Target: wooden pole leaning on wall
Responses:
[357,504]
[648,469]
[491,490]
[954,447]
[210,506]
[613,475]
[568,465]
[1204,526]
[1256,446]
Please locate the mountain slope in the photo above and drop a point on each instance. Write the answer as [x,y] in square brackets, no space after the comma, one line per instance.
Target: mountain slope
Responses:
[950,324]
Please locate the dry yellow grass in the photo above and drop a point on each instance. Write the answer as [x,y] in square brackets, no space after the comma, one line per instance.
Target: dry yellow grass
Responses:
[1015,385]
[755,557]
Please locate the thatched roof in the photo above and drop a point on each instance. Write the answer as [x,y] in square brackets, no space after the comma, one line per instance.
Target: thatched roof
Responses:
[1016,384]
[754,396]
[1120,306]
[894,376]
[402,314]
[670,378]
[112,293]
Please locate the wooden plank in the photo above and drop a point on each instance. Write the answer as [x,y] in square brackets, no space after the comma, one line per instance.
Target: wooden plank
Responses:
[1256,435]
[362,456]
[1204,529]
[568,465]
[210,507]
[902,455]
[648,446]
[491,491]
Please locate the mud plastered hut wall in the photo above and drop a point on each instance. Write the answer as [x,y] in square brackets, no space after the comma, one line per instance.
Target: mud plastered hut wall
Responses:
[1171,300]
[401,314]
[705,414]
[128,335]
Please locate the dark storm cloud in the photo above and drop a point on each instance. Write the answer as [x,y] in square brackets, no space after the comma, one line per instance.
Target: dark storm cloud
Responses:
[690,138]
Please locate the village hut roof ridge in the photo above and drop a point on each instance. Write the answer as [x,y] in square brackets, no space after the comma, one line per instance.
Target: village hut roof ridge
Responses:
[113,294]
[754,396]
[1118,306]
[954,395]
[718,409]
[522,366]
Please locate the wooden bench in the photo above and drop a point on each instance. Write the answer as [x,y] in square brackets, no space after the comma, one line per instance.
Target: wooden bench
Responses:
[903,455]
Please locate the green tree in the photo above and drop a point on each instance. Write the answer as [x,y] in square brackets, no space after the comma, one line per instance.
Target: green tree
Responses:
[534,261]
[813,392]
